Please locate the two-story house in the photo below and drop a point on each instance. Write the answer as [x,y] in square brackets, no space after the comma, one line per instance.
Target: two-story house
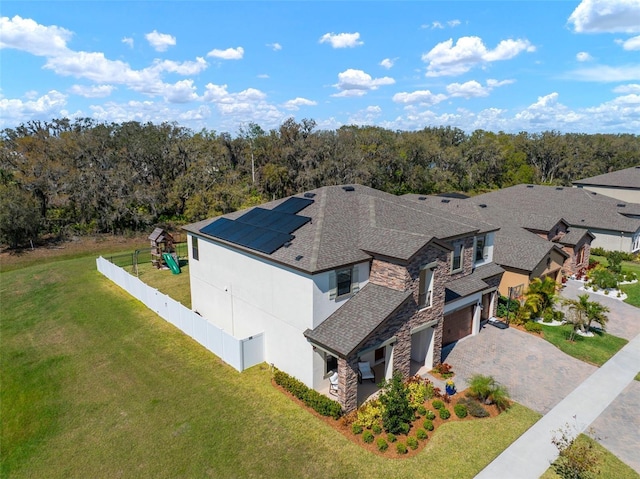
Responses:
[343,274]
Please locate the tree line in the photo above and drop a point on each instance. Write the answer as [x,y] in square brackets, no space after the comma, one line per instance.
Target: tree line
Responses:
[64,176]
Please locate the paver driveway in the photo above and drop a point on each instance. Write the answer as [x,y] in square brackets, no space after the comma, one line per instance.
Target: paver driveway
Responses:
[536,373]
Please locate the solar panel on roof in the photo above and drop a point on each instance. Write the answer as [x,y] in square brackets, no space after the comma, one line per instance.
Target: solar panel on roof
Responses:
[293,205]
[275,220]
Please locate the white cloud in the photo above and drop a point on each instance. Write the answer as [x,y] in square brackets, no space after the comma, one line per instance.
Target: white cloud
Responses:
[275,46]
[449,59]
[182,91]
[583,57]
[357,83]
[94,91]
[424,97]
[263,76]
[181,68]
[611,16]
[605,73]
[27,35]
[467,90]
[387,63]
[367,116]
[160,41]
[631,88]
[632,43]
[436,25]
[14,111]
[128,41]
[296,103]
[453,23]
[228,54]
[342,40]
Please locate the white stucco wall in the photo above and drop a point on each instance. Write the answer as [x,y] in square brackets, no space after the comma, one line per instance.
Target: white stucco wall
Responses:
[630,195]
[245,295]
[612,241]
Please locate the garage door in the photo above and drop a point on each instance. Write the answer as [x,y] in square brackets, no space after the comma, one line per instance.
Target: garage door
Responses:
[457,325]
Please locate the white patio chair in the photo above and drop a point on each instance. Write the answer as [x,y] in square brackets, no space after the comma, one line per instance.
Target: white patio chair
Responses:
[365,372]
[333,383]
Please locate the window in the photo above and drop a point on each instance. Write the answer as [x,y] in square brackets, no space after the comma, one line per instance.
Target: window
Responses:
[378,355]
[343,282]
[456,258]
[194,248]
[481,249]
[331,363]
[580,258]
[425,291]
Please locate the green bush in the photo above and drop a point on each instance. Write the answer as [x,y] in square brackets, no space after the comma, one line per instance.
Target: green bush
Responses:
[437,404]
[422,411]
[418,392]
[376,428]
[369,413]
[597,251]
[547,315]
[401,448]
[474,408]
[428,424]
[367,437]
[404,428]
[356,428]
[430,415]
[460,410]
[507,306]
[391,437]
[558,315]
[318,402]
[412,442]
[382,444]
[421,434]
[533,327]
[603,278]
[444,413]
[396,411]
[630,276]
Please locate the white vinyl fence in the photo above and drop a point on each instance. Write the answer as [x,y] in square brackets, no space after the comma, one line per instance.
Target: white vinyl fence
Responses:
[239,353]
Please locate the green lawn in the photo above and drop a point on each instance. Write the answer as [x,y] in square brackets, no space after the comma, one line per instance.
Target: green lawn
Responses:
[596,350]
[609,467]
[175,285]
[96,385]
[632,290]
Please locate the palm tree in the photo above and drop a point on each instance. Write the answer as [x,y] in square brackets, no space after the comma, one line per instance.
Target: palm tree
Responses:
[577,314]
[597,312]
[541,294]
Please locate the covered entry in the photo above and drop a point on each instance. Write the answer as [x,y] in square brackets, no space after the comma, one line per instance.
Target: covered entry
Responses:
[457,325]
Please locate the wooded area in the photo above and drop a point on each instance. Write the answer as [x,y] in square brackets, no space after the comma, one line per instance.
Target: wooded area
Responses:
[72,177]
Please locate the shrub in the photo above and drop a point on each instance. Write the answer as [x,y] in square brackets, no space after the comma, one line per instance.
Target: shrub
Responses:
[460,410]
[356,428]
[421,410]
[630,276]
[597,251]
[444,370]
[603,278]
[367,437]
[444,413]
[318,402]
[404,428]
[558,315]
[369,413]
[421,434]
[382,444]
[391,437]
[428,424]
[486,389]
[547,315]
[395,404]
[474,408]
[376,428]
[533,327]
[430,415]
[412,442]
[417,388]
[401,448]
[437,404]
[507,308]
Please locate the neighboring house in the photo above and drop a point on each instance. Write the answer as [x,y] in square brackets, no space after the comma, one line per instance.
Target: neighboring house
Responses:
[623,185]
[344,274]
[614,224]
[527,246]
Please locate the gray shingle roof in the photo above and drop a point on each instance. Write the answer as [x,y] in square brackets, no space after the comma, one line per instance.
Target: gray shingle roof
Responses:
[574,235]
[472,283]
[346,226]
[627,178]
[357,318]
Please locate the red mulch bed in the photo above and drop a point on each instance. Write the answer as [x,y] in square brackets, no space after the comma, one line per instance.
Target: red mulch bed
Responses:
[343,426]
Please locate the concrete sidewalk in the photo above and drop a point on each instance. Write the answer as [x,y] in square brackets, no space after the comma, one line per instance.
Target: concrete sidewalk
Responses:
[532,453]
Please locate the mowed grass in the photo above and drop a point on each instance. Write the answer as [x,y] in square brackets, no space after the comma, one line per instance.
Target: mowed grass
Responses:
[176,286]
[96,385]
[595,350]
[632,290]
[609,466]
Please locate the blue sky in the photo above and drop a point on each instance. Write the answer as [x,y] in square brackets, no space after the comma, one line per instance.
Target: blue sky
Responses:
[502,66]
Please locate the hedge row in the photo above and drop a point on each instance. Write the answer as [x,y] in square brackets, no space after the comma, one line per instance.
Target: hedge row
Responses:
[318,402]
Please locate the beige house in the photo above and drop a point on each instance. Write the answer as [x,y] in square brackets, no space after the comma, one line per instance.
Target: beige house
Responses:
[623,185]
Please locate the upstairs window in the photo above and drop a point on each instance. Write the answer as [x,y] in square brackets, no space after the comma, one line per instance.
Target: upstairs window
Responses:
[425,291]
[482,252]
[343,282]
[194,248]
[456,257]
